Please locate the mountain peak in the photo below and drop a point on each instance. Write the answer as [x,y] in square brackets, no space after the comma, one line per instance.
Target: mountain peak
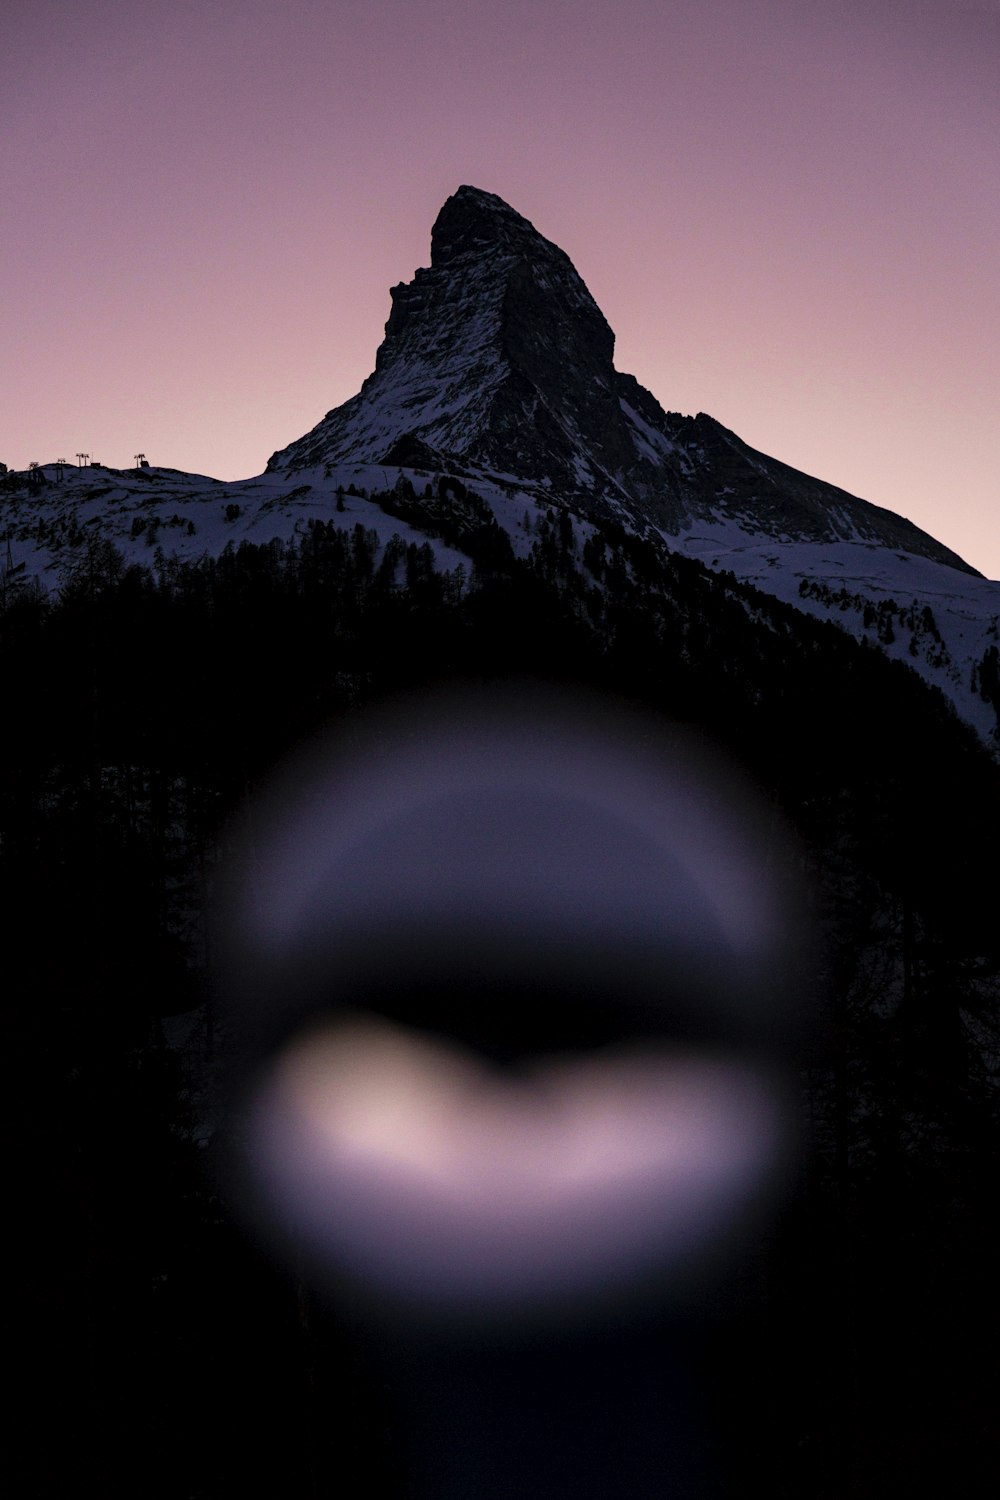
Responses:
[474,220]
[495,355]
[496,358]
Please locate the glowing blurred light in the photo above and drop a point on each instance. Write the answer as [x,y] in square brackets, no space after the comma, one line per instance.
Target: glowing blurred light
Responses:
[510,968]
[409,1162]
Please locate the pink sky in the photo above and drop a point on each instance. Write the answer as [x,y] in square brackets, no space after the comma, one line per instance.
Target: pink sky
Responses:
[788,211]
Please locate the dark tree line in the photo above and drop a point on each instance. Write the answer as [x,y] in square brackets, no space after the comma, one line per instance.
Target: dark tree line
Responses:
[143,708]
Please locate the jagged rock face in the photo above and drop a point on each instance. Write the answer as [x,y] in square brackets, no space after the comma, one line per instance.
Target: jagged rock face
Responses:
[497,358]
[731,480]
[496,355]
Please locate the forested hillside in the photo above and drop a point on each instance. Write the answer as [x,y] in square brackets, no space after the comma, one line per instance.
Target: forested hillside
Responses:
[145,706]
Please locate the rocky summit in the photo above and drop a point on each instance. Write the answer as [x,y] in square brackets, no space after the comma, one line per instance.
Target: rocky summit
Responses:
[496,356]
[497,359]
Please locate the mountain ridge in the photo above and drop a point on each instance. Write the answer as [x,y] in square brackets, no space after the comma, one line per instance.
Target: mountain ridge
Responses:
[497,355]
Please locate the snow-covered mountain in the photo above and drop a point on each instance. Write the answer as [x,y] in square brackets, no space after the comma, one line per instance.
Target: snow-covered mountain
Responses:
[498,358]
[497,369]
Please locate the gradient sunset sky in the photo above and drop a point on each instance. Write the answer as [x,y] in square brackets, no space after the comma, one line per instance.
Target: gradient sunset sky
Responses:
[788,211]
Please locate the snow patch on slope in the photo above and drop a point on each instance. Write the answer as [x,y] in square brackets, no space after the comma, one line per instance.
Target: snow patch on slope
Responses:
[876,593]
